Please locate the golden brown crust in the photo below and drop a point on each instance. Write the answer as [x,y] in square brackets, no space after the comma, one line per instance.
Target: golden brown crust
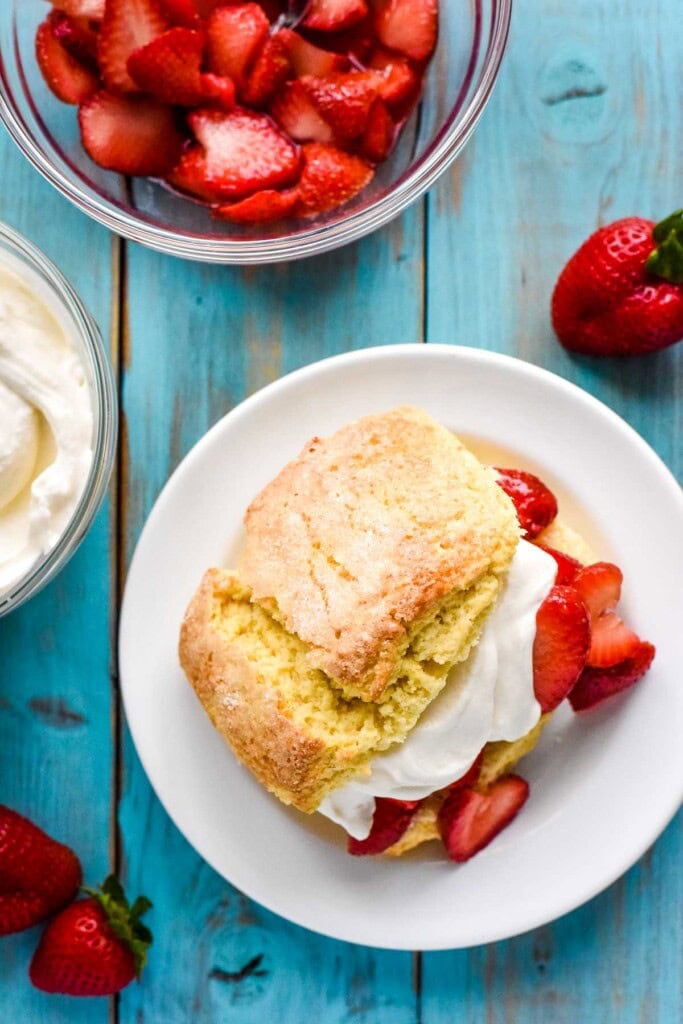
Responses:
[246,714]
[362,535]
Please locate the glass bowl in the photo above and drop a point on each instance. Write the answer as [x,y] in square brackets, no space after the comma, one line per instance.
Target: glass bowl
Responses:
[472,39]
[42,276]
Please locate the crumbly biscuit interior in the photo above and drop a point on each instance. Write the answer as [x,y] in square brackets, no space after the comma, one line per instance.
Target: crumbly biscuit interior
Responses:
[354,728]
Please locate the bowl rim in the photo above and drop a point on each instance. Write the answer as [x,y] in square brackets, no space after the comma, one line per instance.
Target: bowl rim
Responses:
[314,241]
[88,341]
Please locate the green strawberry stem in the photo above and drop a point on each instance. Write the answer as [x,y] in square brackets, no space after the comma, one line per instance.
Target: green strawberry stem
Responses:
[666,261]
[123,919]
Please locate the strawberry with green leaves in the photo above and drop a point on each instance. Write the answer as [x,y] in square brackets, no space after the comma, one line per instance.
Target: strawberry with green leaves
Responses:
[621,293]
[95,947]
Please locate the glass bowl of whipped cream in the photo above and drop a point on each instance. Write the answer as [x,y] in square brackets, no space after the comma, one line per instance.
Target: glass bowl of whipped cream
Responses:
[58,420]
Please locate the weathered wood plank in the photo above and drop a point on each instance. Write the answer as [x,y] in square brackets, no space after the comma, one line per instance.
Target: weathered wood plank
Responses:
[585,126]
[200,339]
[55,695]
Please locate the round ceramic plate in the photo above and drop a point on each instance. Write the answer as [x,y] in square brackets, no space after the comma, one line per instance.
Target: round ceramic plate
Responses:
[603,785]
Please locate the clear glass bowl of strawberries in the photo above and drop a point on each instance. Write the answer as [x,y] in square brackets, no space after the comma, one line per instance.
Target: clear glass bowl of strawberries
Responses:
[246,132]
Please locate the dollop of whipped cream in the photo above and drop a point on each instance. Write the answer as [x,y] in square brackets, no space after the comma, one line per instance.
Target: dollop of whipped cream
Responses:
[488,697]
[45,427]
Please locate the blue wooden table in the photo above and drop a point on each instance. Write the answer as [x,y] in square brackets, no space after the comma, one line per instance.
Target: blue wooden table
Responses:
[585,126]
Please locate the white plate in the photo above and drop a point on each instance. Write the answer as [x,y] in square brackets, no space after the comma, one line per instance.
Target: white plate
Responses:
[603,785]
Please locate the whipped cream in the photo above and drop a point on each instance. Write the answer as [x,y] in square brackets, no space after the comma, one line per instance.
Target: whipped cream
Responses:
[488,697]
[46,425]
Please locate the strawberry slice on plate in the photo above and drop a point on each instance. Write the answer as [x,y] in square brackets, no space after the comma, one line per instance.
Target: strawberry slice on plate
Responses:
[329,178]
[409,26]
[334,15]
[599,585]
[568,568]
[237,153]
[535,504]
[597,684]
[235,36]
[307,59]
[561,644]
[127,25]
[469,820]
[69,79]
[390,822]
[344,100]
[259,208]
[134,135]
[297,114]
[611,641]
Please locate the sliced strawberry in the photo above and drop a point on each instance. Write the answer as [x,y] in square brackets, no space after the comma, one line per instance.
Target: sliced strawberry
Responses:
[329,178]
[563,636]
[399,81]
[67,78]
[568,568]
[169,67]
[81,8]
[235,36]
[77,35]
[334,15]
[597,684]
[409,26]
[261,208]
[344,100]
[307,59]
[535,504]
[130,134]
[390,822]
[127,25]
[218,88]
[268,73]
[469,820]
[379,134]
[470,777]
[611,641]
[180,12]
[355,43]
[238,153]
[600,587]
[296,113]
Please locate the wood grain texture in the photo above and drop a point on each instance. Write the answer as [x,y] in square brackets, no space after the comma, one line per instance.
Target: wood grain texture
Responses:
[56,750]
[586,125]
[202,338]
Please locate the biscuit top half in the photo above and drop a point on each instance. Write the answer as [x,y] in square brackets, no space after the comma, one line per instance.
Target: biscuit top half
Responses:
[360,539]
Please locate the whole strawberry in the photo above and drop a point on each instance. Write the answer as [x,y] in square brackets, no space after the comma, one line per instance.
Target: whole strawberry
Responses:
[95,947]
[38,875]
[621,293]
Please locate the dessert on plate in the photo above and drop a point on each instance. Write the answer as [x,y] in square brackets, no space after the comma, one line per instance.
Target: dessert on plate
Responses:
[400,625]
